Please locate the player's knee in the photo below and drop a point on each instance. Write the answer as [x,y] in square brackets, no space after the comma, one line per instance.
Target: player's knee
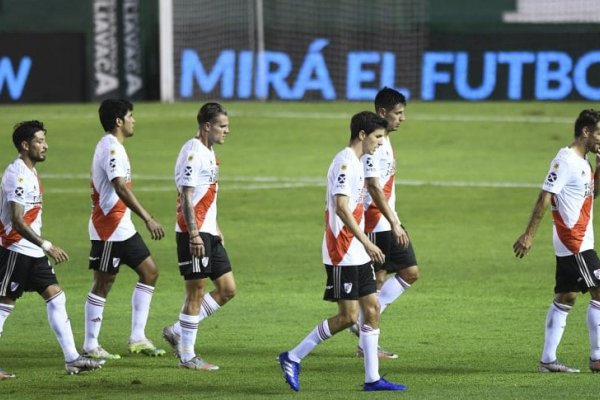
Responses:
[228,293]
[410,275]
[371,312]
[102,285]
[566,298]
[149,276]
[347,320]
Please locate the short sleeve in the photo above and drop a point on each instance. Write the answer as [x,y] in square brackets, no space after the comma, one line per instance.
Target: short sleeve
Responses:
[116,163]
[190,170]
[341,179]
[557,177]
[14,186]
[370,166]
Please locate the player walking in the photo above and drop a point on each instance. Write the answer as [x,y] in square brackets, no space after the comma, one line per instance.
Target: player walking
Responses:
[347,256]
[200,249]
[569,190]
[113,235]
[24,265]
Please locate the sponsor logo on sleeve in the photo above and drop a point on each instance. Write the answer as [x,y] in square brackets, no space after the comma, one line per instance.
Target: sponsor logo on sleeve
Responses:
[551,178]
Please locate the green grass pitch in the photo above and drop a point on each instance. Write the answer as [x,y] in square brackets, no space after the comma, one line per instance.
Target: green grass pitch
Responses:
[470,328]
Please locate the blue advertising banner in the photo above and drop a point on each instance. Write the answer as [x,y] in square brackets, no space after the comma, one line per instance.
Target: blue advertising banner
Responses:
[35,68]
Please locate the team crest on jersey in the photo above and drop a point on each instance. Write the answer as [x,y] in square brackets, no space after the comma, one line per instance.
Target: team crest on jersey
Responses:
[188,171]
[14,286]
[551,177]
[112,152]
[344,167]
[20,179]
[555,166]
[347,287]
[116,261]
[19,191]
[190,157]
[597,273]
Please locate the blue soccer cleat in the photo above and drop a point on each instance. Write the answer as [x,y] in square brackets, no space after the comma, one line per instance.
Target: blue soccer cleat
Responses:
[382,384]
[291,370]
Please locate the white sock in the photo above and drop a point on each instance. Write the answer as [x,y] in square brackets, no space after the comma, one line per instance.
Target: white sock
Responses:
[94,307]
[593,321]
[189,330]
[59,321]
[177,328]
[556,320]
[5,310]
[316,336]
[140,308]
[390,291]
[208,307]
[369,340]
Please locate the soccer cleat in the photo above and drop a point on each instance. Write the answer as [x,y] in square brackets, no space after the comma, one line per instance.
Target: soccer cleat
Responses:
[5,375]
[100,354]
[556,366]
[594,365]
[291,370]
[172,338]
[145,346]
[381,353]
[382,384]
[82,364]
[198,364]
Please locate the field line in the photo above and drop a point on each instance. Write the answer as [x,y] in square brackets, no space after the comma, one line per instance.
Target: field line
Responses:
[268,182]
[530,119]
[468,118]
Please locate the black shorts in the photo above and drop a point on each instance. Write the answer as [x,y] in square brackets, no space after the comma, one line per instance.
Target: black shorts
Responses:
[213,265]
[108,256]
[396,256]
[577,273]
[349,282]
[20,273]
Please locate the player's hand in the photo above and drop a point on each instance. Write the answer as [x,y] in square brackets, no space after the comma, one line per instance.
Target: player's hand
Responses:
[375,253]
[156,230]
[57,254]
[522,245]
[197,246]
[400,234]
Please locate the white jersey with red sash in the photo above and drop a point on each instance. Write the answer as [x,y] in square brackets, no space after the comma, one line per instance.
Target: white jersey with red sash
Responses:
[571,182]
[21,185]
[198,167]
[345,177]
[111,218]
[381,165]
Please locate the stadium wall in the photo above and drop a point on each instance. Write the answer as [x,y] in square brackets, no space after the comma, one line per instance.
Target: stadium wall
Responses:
[78,50]
[346,50]
[86,50]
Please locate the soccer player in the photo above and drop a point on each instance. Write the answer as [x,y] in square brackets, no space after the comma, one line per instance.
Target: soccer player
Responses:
[347,256]
[113,235]
[382,224]
[24,264]
[200,249]
[569,189]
